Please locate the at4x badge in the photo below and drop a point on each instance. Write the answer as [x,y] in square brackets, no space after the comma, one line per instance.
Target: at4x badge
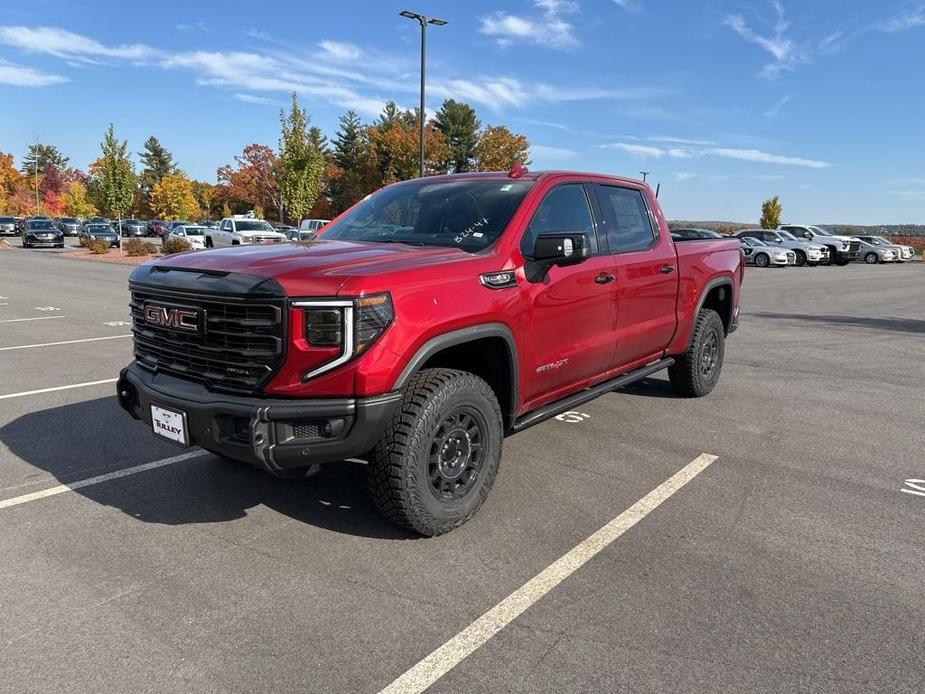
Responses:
[551,367]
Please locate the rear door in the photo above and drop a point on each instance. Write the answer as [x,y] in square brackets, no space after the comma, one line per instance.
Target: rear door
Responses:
[570,318]
[647,273]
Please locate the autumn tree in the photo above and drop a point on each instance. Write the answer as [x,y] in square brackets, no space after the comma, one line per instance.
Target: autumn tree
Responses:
[205,195]
[498,149]
[172,198]
[156,163]
[301,162]
[771,210]
[255,178]
[9,180]
[115,176]
[459,125]
[39,156]
[74,201]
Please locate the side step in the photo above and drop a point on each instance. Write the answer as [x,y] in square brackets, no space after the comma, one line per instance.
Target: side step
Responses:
[581,397]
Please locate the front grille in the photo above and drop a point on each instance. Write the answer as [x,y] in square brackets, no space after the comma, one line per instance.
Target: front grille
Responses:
[854,247]
[240,348]
[306,430]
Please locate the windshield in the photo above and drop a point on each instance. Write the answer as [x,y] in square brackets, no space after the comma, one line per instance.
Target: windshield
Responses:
[68,220]
[880,239]
[193,231]
[100,228]
[787,235]
[752,241]
[7,220]
[252,225]
[41,224]
[467,214]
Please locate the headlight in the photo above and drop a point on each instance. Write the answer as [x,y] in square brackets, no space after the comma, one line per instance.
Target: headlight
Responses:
[352,325]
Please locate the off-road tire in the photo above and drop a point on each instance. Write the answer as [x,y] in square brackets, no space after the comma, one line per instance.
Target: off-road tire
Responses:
[400,469]
[688,375]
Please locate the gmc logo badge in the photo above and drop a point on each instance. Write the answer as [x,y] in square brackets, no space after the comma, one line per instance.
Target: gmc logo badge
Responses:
[174,318]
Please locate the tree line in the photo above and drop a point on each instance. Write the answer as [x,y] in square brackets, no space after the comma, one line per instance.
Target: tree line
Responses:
[306,176]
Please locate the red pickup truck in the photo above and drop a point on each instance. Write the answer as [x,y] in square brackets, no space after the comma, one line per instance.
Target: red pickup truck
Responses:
[427,322]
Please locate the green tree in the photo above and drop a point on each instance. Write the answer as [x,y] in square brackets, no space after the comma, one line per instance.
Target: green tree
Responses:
[354,170]
[205,196]
[459,125]
[43,156]
[498,148]
[390,115]
[771,210]
[115,175]
[172,198]
[301,164]
[156,163]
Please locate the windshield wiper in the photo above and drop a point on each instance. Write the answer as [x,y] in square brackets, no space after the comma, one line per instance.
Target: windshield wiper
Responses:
[407,243]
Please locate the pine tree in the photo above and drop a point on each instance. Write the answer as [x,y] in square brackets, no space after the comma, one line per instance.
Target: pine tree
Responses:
[459,124]
[43,156]
[156,163]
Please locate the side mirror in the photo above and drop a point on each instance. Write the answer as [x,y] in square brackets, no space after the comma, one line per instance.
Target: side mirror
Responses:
[561,248]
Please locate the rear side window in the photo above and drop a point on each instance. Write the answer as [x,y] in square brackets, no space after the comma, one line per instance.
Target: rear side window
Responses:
[565,208]
[626,218]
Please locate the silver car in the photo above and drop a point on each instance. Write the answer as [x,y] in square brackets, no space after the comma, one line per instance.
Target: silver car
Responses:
[903,253]
[873,253]
[805,252]
[760,254]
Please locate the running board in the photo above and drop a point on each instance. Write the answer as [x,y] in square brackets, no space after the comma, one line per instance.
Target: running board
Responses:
[581,397]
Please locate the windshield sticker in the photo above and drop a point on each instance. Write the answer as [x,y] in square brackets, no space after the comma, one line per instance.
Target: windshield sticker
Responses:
[507,187]
[471,230]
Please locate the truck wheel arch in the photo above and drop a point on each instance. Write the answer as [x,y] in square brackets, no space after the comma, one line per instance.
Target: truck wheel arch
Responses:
[717,295]
[443,351]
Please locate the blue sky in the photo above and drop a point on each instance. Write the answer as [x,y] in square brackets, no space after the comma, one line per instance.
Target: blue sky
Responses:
[725,101]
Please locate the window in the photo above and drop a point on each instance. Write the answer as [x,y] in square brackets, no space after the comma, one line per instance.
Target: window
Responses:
[565,208]
[629,227]
[226,225]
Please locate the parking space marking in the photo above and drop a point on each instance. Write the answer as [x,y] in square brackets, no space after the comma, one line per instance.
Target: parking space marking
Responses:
[454,651]
[52,390]
[22,320]
[64,342]
[916,487]
[99,479]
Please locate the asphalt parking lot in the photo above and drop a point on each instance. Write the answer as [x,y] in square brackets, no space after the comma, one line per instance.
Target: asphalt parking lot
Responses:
[794,561]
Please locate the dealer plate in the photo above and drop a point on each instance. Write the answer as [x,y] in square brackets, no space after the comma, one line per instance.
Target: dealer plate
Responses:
[170,424]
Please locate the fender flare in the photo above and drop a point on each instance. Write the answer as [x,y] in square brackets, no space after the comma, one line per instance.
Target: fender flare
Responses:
[462,336]
[710,286]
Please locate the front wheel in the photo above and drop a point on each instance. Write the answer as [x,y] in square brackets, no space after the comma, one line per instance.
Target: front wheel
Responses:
[762,260]
[801,258]
[437,459]
[696,372]
[208,242]
[871,259]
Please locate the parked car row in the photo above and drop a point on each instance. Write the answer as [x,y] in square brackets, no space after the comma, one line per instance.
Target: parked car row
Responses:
[806,245]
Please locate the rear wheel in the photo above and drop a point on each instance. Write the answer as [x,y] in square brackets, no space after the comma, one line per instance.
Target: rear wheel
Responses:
[437,460]
[208,242]
[762,260]
[696,372]
[871,259]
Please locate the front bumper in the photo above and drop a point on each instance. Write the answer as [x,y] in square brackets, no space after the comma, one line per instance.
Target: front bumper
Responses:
[273,433]
[51,243]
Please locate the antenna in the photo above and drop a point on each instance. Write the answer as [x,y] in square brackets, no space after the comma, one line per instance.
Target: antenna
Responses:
[657,189]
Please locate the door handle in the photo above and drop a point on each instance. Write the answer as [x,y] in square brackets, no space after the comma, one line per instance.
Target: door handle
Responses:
[666,269]
[604,278]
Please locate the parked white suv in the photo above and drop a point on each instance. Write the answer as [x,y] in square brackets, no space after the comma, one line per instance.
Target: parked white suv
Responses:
[841,249]
[242,231]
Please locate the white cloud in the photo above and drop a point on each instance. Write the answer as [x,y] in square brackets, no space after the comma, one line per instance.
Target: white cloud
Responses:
[753,155]
[339,50]
[551,153]
[764,157]
[66,44]
[630,5]
[22,76]
[679,140]
[778,105]
[681,176]
[253,99]
[548,28]
[778,43]
[907,20]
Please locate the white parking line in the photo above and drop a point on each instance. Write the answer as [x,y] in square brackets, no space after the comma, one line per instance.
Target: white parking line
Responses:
[22,320]
[64,342]
[99,479]
[51,390]
[450,654]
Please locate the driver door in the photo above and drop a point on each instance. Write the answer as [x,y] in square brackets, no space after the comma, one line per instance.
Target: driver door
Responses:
[570,316]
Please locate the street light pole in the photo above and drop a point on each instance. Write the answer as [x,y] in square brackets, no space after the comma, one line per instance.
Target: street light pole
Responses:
[644,174]
[423,21]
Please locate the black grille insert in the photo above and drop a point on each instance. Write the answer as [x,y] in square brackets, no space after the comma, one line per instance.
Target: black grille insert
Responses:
[239,348]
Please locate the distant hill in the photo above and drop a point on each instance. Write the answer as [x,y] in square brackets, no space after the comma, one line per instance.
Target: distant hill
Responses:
[841,229]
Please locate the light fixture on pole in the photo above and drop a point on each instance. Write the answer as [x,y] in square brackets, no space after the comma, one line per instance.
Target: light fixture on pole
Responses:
[423,21]
[644,174]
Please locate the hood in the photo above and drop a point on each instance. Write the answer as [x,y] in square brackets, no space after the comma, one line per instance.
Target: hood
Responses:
[316,268]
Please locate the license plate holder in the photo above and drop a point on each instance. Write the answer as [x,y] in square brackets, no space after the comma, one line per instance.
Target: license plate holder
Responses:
[169,423]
